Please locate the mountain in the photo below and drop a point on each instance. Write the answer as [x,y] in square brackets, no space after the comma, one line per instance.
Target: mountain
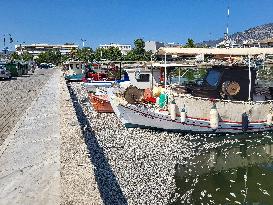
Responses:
[256,33]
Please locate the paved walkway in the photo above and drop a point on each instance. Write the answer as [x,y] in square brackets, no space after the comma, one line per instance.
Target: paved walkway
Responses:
[16,96]
[30,156]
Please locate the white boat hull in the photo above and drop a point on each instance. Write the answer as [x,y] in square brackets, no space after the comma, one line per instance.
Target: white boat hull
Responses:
[136,116]
[91,87]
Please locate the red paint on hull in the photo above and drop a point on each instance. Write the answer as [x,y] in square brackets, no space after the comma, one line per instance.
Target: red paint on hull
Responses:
[100,103]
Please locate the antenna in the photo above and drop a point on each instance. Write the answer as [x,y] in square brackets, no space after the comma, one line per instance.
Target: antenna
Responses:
[227,16]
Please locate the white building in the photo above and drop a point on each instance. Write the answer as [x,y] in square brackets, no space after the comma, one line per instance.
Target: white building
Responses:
[36,49]
[173,45]
[122,47]
[153,46]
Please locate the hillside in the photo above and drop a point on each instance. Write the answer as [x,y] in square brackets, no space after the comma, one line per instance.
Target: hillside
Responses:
[256,33]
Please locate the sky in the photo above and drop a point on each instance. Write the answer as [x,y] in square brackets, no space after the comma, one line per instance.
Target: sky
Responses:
[123,21]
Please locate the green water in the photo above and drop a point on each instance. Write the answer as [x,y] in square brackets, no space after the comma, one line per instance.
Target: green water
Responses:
[234,171]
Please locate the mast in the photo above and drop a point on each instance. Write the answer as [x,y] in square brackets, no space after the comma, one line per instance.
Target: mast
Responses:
[249,76]
[226,38]
[227,16]
[165,72]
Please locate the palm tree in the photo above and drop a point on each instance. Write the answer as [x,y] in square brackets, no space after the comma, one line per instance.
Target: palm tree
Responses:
[190,43]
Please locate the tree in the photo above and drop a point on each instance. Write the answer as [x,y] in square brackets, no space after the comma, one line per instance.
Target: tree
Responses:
[190,43]
[138,53]
[15,56]
[51,56]
[72,53]
[100,53]
[139,46]
[26,56]
[85,54]
[113,54]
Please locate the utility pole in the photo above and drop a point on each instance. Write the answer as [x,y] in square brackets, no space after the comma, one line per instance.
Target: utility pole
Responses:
[4,41]
[5,49]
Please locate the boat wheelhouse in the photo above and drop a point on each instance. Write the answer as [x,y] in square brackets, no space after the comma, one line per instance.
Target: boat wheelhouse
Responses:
[73,70]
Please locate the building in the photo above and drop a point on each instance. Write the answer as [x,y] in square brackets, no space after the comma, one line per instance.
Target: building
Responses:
[36,49]
[251,44]
[229,43]
[122,47]
[153,46]
[266,43]
[214,52]
[173,45]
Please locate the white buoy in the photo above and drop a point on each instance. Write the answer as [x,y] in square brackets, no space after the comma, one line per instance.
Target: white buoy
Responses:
[214,117]
[173,110]
[157,101]
[269,119]
[183,115]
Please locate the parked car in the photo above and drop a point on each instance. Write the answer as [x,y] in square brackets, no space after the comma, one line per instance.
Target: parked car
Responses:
[44,66]
[4,73]
[51,65]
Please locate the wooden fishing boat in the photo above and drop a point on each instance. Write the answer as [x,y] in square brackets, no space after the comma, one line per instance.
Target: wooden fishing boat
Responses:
[100,103]
[223,103]
[99,98]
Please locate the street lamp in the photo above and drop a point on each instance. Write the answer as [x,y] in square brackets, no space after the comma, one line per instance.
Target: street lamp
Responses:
[83,40]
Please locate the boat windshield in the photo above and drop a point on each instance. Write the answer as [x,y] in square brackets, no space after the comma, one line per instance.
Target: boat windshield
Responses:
[213,77]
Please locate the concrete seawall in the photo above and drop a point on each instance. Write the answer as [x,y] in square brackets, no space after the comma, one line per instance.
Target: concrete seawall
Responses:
[30,157]
[44,159]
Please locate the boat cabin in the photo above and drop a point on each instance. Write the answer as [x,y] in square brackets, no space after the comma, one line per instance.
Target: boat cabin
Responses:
[73,70]
[76,66]
[143,77]
[226,82]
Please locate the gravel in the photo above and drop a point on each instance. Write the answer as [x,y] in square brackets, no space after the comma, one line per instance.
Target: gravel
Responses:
[78,184]
[139,163]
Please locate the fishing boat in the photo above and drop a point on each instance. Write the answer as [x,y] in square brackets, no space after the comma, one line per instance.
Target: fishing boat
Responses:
[100,102]
[73,70]
[97,89]
[100,79]
[225,101]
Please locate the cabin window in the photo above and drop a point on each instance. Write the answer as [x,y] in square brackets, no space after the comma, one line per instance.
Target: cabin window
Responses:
[77,66]
[143,78]
[71,66]
[213,77]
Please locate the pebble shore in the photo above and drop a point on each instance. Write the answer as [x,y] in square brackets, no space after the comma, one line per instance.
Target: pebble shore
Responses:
[78,185]
[139,163]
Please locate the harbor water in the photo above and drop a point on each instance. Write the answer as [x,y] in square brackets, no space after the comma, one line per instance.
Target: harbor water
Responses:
[234,171]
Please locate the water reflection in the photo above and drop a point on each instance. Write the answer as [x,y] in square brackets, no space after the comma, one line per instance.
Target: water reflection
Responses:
[227,172]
